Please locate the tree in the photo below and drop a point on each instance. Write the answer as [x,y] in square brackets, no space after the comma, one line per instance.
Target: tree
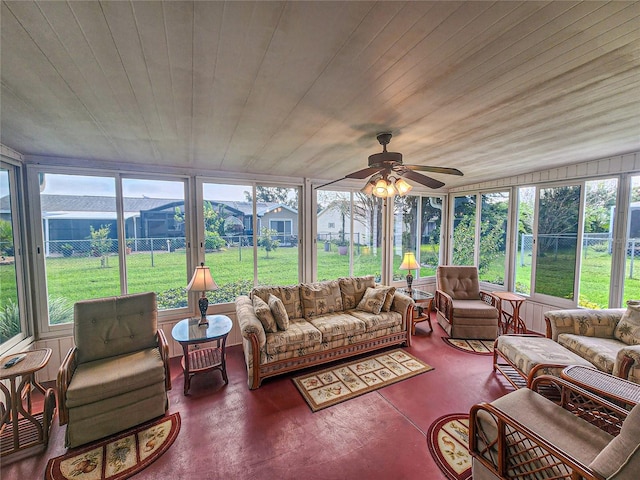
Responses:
[600,197]
[267,241]
[101,243]
[6,238]
[214,224]
[274,195]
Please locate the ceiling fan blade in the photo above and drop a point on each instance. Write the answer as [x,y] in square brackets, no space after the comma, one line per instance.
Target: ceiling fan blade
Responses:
[325,184]
[364,173]
[425,168]
[422,179]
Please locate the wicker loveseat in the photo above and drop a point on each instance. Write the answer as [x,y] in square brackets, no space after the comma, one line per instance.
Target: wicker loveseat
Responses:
[608,338]
[324,321]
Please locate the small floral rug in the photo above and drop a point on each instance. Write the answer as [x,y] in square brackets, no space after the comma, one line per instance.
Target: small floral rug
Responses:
[479,347]
[448,440]
[117,458]
[337,384]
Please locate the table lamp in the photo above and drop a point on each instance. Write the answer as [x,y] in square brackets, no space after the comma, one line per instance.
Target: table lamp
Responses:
[409,263]
[202,281]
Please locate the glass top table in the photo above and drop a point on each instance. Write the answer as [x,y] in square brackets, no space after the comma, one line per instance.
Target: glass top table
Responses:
[420,312]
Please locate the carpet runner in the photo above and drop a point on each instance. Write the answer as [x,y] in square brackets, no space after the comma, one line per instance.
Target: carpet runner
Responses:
[479,347]
[448,440]
[343,382]
[117,457]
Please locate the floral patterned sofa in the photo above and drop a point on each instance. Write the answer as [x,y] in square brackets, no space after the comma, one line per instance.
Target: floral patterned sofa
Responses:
[286,328]
[608,338]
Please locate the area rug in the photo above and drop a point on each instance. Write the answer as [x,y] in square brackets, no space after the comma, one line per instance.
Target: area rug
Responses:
[479,347]
[448,440]
[343,382]
[119,457]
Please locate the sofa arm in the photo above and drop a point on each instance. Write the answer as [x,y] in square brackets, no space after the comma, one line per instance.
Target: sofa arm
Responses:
[444,304]
[401,304]
[250,325]
[65,372]
[163,346]
[489,299]
[627,364]
[563,321]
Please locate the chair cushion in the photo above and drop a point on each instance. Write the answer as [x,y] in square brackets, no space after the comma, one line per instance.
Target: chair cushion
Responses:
[279,312]
[352,289]
[107,327]
[109,377]
[621,458]
[320,298]
[473,309]
[459,282]
[264,314]
[628,328]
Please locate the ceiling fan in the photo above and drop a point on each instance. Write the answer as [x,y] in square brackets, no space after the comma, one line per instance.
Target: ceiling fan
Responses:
[382,165]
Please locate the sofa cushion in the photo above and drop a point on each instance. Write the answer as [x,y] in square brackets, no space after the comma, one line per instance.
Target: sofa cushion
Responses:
[628,328]
[263,312]
[372,300]
[112,376]
[621,458]
[263,291]
[601,352]
[321,298]
[279,312]
[300,334]
[338,325]
[380,321]
[352,289]
[388,299]
[290,296]
[459,282]
[594,324]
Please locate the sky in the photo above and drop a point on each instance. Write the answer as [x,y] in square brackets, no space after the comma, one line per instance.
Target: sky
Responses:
[56,184]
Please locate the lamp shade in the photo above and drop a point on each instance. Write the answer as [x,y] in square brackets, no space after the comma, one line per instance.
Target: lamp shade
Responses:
[202,281]
[403,187]
[409,262]
[380,189]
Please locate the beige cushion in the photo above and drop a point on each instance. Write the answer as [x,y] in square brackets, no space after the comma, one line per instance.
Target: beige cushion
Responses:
[628,328]
[372,300]
[290,296]
[263,312]
[279,312]
[112,326]
[620,460]
[459,282]
[109,377]
[338,325]
[388,299]
[594,324]
[321,298]
[476,309]
[352,289]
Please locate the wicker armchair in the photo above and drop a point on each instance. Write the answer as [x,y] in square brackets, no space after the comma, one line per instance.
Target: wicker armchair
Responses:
[117,374]
[463,310]
[524,435]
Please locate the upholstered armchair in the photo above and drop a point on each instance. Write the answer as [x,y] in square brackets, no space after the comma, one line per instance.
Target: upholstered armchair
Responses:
[463,310]
[524,435]
[117,374]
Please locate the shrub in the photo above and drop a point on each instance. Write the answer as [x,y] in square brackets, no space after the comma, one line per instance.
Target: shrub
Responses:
[60,310]
[9,320]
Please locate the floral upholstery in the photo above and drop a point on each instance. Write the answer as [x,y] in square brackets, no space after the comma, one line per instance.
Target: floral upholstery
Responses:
[290,296]
[375,322]
[372,300]
[320,298]
[352,289]
[300,334]
[338,325]
[601,352]
[628,329]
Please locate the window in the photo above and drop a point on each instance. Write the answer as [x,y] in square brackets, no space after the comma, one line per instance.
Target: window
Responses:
[430,235]
[367,251]
[464,230]
[557,241]
[524,240]
[632,247]
[12,318]
[405,232]
[494,216]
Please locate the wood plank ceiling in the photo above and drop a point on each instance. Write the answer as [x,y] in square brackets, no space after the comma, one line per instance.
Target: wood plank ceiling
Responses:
[301,88]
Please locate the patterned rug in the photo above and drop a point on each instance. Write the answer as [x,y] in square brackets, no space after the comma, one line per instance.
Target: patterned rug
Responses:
[343,382]
[117,458]
[448,440]
[479,347]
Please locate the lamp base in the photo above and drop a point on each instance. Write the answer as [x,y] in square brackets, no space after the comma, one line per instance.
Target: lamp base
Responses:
[409,281]
[203,304]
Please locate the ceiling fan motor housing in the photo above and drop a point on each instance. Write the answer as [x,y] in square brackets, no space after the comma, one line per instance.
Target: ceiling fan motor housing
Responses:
[385,158]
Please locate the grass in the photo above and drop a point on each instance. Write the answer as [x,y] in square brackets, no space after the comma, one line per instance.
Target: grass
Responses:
[79,278]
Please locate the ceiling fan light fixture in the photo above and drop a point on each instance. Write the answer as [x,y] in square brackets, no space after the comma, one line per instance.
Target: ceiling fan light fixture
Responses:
[380,189]
[368,188]
[391,189]
[403,187]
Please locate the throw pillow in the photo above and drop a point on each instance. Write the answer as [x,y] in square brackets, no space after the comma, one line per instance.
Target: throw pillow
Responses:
[290,296]
[388,299]
[263,312]
[594,324]
[352,289]
[628,328]
[279,312]
[372,300]
[321,298]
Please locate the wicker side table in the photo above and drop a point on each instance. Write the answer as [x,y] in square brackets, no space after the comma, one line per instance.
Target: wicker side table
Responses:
[619,390]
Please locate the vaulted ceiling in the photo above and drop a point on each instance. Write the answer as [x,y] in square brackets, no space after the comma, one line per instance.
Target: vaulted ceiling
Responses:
[302,88]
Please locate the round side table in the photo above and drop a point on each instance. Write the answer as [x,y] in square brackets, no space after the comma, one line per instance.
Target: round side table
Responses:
[187,332]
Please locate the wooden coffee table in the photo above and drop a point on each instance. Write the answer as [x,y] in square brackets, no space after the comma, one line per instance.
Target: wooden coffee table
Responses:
[187,332]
